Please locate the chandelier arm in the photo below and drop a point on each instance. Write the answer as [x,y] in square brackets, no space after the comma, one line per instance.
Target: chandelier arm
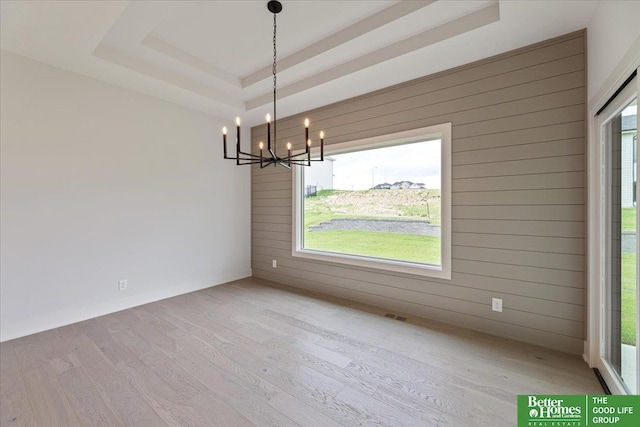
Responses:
[244,161]
[286,165]
[277,161]
[255,156]
[274,162]
[250,159]
[305,161]
[304,153]
[249,163]
[302,162]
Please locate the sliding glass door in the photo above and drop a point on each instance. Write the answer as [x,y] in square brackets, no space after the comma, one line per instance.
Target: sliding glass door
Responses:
[619,316]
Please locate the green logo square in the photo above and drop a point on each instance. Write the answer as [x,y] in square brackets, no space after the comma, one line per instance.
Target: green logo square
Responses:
[578,411]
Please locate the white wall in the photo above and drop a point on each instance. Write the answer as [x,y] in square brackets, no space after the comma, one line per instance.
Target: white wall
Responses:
[100,184]
[614,27]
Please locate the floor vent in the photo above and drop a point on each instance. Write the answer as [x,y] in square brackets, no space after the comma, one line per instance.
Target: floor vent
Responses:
[395,316]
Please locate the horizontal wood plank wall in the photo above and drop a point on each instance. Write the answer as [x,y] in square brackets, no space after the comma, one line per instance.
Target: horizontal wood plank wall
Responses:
[518,201]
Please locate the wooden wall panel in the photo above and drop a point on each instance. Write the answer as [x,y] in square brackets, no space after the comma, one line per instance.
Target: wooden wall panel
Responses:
[518,195]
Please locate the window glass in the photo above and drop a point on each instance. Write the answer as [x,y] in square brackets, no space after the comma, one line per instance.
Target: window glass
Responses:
[382,202]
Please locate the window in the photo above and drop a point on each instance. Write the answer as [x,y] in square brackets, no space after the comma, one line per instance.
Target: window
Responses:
[382,202]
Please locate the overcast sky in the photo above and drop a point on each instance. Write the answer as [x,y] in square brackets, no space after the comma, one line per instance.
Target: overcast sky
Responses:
[418,162]
[631,110]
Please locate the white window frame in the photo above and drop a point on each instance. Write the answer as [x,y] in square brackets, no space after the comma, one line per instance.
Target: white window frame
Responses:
[443,271]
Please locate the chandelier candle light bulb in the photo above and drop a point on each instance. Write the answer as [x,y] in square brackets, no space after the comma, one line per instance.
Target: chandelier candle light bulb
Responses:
[272,158]
[224,140]
[261,145]
[238,140]
[268,133]
[306,132]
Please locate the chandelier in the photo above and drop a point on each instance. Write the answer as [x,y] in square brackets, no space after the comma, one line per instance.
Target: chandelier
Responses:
[271,157]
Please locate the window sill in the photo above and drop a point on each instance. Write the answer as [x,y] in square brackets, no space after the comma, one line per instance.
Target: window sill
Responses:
[418,269]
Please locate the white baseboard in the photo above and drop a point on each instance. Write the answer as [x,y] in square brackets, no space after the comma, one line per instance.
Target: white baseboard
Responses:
[61,318]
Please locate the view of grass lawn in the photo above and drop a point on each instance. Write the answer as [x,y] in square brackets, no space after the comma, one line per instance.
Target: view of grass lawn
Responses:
[374,204]
[628,219]
[628,298]
[628,267]
[406,247]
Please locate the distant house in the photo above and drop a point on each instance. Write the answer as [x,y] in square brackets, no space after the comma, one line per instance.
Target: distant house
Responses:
[406,185]
[385,186]
[400,185]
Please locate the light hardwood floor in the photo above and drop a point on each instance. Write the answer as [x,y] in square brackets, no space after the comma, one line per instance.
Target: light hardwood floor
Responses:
[254,353]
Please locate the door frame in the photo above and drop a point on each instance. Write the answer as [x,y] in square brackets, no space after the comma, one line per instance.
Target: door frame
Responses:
[599,237]
[629,62]
[596,272]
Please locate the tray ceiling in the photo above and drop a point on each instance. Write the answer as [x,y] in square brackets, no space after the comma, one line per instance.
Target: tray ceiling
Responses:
[215,56]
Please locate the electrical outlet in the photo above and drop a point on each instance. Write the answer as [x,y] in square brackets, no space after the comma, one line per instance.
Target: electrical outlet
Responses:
[123,284]
[496,304]
[274,263]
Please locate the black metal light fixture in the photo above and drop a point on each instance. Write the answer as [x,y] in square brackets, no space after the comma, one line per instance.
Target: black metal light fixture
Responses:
[272,158]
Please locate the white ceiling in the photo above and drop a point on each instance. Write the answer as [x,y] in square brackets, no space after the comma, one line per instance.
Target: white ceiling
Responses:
[216,56]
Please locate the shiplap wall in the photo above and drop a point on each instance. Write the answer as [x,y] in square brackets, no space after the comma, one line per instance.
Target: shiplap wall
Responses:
[518,202]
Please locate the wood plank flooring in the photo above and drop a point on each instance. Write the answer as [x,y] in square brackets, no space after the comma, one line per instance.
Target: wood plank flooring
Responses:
[255,353]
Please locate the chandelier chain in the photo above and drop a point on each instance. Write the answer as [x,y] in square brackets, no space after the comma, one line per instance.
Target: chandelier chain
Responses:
[274,75]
